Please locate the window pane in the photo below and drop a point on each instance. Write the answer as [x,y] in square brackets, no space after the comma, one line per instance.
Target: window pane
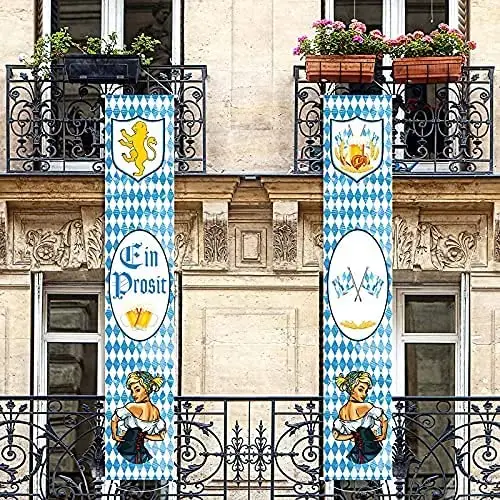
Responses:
[153,18]
[73,313]
[425,15]
[430,369]
[72,368]
[82,18]
[368,11]
[430,314]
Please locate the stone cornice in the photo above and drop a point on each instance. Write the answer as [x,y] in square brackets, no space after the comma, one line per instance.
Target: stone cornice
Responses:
[90,189]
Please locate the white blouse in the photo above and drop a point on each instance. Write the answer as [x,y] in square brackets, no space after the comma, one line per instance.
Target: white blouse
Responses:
[371,419]
[127,421]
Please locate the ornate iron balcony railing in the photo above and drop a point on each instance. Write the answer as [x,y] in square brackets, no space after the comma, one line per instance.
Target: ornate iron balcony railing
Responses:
[238,447]
[57,126]
[438,129]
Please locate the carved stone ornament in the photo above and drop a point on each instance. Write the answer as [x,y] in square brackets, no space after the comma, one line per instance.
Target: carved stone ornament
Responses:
[95,244]
[497,241]
[436,245]
[285,240]
[3,240]
[63,248]
[215,240]
[183,241]
[445,251]
[402,243]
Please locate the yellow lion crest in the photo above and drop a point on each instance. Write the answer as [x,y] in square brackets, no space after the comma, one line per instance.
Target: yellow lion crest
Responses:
[137,144]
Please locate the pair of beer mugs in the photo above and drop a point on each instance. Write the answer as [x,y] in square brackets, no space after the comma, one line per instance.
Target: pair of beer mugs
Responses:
[140,318]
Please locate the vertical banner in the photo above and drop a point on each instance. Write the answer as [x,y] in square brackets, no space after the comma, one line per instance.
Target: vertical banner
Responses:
[139,249]
[357,327]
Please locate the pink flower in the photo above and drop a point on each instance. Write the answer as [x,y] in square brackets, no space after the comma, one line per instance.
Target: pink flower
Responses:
[472,45]
[377,34]
[357,26]
[427,39]
[458,33]
[357,38]
[443,27]
[338,25]
[321,23]
[434,33]
[296,51]
[302,38]
[418,34]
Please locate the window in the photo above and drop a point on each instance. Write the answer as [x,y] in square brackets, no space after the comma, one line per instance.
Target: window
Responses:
[128,18]
[68,350]
[428,342]
[431,362]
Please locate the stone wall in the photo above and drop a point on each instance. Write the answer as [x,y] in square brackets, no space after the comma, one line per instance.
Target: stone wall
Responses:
[250,252]
[17,27]
[247,47]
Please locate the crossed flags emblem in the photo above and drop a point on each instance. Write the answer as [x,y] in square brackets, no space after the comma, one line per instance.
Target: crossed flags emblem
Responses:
[370,282]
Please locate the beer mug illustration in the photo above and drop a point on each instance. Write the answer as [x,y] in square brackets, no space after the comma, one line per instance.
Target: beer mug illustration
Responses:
[140,318]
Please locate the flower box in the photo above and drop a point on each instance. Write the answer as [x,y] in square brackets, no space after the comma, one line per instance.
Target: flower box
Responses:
[100,68]
[340,69]
[438,69]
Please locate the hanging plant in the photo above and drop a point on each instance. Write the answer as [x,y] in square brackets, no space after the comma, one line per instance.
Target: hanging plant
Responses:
[341,53]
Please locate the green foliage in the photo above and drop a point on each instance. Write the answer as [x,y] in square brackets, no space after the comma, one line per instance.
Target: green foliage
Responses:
[51,48]
[444,41]
[334,38]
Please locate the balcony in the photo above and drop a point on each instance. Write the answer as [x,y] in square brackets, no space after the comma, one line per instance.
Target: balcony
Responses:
[54,126]
[438,129]
[238,447]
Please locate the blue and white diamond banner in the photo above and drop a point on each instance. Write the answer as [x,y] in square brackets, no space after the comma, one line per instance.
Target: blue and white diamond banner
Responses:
[357,324]
[139,255]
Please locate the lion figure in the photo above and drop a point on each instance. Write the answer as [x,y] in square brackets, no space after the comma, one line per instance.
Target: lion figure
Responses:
[137,144]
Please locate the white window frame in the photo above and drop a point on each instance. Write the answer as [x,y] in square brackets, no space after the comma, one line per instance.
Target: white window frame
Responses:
[113,20]
[42,336]
[402,338]
[394,15]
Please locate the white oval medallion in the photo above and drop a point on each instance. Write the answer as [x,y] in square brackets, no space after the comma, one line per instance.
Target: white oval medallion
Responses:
[357,285]
[139,285]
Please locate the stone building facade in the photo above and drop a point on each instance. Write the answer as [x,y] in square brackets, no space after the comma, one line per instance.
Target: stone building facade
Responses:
[249,229]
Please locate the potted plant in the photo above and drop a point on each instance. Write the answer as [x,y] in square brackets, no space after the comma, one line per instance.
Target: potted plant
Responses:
[434,58]
[98,60]
[341,54]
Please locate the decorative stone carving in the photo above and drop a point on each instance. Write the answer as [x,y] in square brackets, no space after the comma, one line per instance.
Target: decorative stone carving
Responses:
[215,240]
[215,234]
[285,215]
[497,241]
[95,244]
[445,251]
[185,225]
[63,248]
[438,242]
[3,233]
[402,239]
[285,240]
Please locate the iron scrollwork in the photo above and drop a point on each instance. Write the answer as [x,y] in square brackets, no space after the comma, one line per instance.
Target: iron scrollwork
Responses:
[437,128]
[57,126]
[53,447]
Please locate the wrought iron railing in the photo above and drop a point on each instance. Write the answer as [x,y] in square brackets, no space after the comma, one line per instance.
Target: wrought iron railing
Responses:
[57,126]
[438,129]
[237,447]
